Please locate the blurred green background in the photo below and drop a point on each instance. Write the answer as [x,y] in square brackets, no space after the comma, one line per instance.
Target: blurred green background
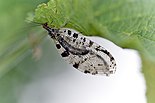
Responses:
[17,67]
[22,44]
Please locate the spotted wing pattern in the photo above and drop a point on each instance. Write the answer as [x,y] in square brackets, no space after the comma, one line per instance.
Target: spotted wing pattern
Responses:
[84,54]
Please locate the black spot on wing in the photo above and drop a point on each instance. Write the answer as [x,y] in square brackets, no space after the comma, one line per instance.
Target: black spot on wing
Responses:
[76,65]
[71,49]
[65,54]
[102,50]
[85,59]
[100,64]
[95,73]
[58,46]
[58,34]
[90,43]
[52,30]
[69,32]
[84,39]
[112,58]
[74,40]
[98,48]
[75,35]
[86,71]
[106,52]
[111,72]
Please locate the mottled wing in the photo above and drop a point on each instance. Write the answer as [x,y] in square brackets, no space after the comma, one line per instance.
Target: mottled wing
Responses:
[84,54]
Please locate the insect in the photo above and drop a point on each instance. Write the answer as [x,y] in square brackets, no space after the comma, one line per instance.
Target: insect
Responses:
[84,54]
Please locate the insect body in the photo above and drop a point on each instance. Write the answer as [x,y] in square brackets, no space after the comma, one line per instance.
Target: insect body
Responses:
[84,54]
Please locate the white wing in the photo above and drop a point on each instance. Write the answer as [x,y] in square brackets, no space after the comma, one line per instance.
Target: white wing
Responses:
[84,54]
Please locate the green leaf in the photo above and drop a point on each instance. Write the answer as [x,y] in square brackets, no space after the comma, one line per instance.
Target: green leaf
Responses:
[128,23]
